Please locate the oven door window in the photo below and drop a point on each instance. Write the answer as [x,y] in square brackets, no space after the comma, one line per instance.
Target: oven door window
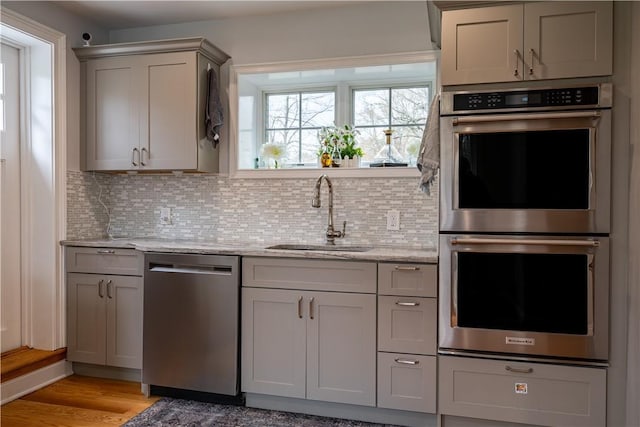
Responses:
[523,292]
[547,169]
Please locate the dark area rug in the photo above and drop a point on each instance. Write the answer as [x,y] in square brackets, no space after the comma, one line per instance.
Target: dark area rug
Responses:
[188,413]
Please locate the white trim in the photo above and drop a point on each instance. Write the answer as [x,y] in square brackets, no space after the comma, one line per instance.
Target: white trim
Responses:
[53,301]
[273,67]
[25,384]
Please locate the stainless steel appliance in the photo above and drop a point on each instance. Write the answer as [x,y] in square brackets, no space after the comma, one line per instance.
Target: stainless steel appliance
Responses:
[544,296]
[526,160]
[191,322]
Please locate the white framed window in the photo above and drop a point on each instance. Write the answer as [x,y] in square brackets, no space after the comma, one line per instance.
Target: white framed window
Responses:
[280,109]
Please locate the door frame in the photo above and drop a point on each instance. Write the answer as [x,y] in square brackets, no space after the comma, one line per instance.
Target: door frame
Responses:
[44,180]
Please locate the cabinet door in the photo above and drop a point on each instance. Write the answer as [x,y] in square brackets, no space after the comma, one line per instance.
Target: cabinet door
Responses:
[86,318]
[273,342]
[482,45]
[124,321]
[567,39]
[112,130]
[168,125]
[341,346]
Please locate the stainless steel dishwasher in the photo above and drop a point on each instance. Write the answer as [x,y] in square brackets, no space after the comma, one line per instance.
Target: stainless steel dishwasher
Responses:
[191,322]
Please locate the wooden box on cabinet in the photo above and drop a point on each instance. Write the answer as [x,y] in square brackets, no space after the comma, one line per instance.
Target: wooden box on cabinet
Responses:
[144,105]
[522,392]
[531,41]
[104,306]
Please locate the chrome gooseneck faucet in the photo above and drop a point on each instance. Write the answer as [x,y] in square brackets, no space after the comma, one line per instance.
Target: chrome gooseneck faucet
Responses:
[315,202]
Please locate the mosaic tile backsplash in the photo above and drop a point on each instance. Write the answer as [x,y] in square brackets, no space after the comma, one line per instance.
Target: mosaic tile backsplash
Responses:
[250,210]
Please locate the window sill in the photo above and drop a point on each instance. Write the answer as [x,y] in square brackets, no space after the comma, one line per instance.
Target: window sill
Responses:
[392,172]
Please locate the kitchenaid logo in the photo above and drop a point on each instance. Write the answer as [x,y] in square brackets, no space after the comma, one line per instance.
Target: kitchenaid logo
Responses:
[520,341]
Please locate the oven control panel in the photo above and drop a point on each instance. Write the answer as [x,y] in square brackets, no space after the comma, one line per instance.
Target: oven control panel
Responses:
[526,99]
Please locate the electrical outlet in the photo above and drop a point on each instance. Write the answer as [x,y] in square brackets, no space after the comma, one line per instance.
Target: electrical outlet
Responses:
[393,220]
[165,216]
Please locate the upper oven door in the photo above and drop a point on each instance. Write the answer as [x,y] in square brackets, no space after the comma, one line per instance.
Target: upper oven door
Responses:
[526,172]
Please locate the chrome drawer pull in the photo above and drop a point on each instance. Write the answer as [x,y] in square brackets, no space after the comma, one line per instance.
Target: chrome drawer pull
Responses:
[407,304]
[106,251]
[109,289]
[311,308]
[515,71]
[100,293]
[133,157]
[300,307]
[519,370]
[407,268]
[407,361]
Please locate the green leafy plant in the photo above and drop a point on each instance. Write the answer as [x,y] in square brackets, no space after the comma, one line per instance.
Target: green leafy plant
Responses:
[342,136]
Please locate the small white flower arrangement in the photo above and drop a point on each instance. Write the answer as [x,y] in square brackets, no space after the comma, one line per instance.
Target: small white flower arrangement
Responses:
[273,152]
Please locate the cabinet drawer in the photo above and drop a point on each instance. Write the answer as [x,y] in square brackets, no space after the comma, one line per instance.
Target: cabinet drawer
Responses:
[418,280]
[552,395]
[125,262]
[305,274]
[407,382]
[407,324]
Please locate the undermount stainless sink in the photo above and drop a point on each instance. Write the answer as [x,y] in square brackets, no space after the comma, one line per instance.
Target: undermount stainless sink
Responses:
[336,248]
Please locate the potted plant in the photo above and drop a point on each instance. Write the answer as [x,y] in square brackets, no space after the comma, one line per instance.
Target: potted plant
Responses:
[272,152]
[339,143]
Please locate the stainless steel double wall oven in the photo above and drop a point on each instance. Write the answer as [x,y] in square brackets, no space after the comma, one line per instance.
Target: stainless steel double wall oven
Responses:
[524,221]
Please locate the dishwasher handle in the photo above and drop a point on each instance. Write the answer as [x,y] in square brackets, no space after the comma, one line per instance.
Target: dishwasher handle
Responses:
[224,270]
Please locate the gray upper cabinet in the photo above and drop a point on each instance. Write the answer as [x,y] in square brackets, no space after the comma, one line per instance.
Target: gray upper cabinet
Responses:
[532,41]
[144,105]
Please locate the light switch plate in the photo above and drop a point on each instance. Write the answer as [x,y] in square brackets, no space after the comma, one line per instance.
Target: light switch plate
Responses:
[165,216]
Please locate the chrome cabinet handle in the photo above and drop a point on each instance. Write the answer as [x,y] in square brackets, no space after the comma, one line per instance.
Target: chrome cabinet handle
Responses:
[532,52]
[144,150]
[100,293]
[300,308]
[407,304]
[311,308]
[106,251]
[407,268]
[515,72]
[406,361]
[133,157]
[110,282]
[519,370]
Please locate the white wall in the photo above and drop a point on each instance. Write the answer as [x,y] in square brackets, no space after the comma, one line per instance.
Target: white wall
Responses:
[54,17]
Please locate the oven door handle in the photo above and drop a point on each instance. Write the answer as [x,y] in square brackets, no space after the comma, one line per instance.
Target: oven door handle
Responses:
[545,242]
[512,117]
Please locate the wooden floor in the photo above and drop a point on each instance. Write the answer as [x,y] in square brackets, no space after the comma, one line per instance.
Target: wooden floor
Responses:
[77,401]
[23,360]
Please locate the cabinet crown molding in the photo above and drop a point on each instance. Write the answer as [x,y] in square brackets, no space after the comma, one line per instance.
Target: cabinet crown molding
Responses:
[198,44]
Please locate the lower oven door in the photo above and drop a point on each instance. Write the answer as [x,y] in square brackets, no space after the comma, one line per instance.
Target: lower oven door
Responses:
[525,295]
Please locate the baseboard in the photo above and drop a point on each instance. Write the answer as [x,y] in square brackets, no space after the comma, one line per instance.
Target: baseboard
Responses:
[18,387]
[340,410]
[109,372]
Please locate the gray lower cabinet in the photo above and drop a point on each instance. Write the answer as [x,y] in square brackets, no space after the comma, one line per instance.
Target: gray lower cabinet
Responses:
[522,392]
[310,344]
[407,337]
[104,311]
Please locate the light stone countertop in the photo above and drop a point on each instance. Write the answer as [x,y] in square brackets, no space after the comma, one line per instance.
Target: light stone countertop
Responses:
[376,253]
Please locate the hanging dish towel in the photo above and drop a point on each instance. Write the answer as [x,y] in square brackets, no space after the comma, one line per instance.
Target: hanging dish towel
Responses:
[213,117]
[429,154]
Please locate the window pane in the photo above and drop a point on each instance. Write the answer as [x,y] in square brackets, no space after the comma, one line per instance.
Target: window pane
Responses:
[409,105]
[282,111]
[310,146]
[407,141]
[371,107]
[371,140]
[318,109]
